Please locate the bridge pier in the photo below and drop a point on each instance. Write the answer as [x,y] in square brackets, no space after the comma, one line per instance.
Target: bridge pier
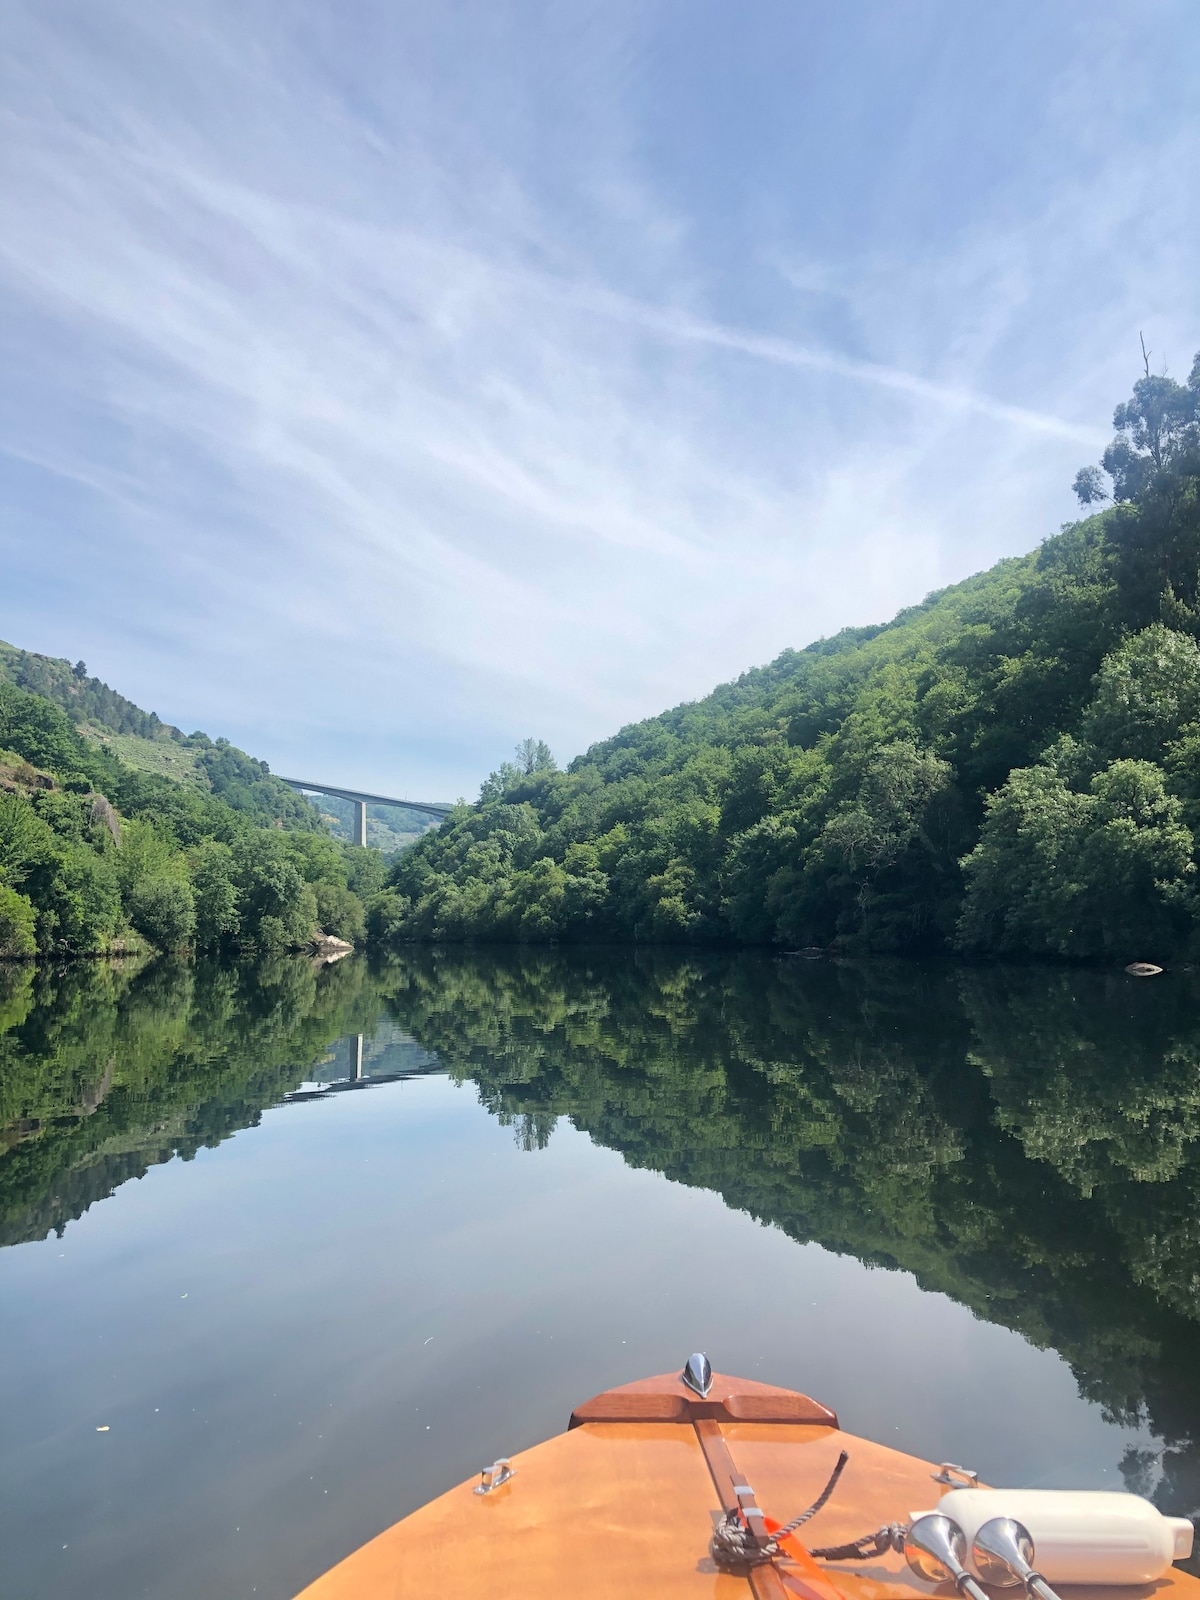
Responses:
[360,822]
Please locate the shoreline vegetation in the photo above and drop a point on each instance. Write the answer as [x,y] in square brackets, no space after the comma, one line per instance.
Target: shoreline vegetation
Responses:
[1010,768]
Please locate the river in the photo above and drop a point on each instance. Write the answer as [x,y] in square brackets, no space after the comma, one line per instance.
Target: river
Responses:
[288,1249]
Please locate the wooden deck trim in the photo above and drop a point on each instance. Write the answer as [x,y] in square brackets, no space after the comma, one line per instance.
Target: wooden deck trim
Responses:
[765,1581]
[720,1462]
[667,1399]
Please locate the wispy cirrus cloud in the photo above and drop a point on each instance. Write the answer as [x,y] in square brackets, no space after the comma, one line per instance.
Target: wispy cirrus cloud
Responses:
[377,401]
[673,325]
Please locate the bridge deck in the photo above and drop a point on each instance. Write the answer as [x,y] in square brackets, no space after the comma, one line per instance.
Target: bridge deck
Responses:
[430,807]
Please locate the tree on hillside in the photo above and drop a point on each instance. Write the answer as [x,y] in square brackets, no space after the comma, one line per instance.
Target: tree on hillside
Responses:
[1089,486]
[1146,691]
[534,760]
[1156,427]
[1103,873]
[533,755]
[18,925]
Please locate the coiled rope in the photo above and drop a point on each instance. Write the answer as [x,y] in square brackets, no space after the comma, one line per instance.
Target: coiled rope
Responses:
[734,1545]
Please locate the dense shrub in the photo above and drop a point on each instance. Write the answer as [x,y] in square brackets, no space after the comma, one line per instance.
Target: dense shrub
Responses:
[18,924]
[339,911]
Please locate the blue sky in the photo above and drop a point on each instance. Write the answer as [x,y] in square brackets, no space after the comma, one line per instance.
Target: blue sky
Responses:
[384,383]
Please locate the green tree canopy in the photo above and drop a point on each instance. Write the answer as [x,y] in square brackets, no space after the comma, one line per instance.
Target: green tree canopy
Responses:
[833,796]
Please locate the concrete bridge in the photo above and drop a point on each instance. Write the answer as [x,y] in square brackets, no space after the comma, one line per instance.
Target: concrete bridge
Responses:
[361,801]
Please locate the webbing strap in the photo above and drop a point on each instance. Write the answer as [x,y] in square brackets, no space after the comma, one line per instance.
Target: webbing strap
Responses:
[736,1497]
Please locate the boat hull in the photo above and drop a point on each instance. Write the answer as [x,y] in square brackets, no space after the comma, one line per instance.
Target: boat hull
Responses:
[624,1503]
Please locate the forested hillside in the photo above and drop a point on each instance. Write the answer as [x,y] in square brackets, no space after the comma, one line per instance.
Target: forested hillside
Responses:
[96,855]
[140,739]
[1012,766]
[84,699]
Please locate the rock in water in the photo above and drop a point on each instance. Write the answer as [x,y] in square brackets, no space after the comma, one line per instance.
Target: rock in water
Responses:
[327,948]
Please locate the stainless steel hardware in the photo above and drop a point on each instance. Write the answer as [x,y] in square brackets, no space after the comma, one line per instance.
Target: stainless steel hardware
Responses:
[1003,1553]
[934,1548]
[698,1373]
[492,1477]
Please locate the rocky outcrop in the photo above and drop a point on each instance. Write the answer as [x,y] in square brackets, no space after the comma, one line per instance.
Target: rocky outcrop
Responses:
[327,947]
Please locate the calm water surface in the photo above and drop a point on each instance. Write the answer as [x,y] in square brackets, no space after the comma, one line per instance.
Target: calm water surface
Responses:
[290,1250]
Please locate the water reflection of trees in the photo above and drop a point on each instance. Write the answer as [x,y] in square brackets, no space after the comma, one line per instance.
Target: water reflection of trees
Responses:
[106,1070]
[1023,1140]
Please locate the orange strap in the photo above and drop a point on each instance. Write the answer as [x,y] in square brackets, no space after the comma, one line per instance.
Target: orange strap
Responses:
[800,1555]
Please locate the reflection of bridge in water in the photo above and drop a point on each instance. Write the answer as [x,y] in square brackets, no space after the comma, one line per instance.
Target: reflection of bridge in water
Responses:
[357,1060]
[361,801]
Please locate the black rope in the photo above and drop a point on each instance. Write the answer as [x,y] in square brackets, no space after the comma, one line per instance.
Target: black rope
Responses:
[889,1537]
[798,1522]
